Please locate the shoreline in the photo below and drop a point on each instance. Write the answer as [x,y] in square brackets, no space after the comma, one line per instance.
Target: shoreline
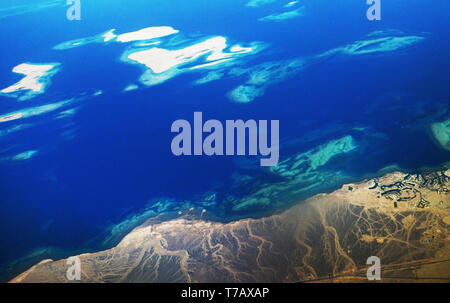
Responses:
[148,222]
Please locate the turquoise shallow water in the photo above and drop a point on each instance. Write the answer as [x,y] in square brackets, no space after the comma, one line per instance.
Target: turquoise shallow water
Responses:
[86,156]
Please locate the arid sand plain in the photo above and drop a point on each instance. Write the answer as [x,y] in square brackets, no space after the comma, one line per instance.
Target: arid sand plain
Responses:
[401,218]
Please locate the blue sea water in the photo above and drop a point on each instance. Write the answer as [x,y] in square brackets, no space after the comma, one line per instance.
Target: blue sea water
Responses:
[111,159]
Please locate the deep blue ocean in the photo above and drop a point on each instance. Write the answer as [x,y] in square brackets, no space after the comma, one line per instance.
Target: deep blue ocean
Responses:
[110,160]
